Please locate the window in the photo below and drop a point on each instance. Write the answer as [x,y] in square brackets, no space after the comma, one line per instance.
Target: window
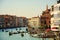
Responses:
[47,18]
[44,22]
[59,8]
[49,21]
[56,8]
[58,1]
[41,21]
[52,8]
[52,15]
[57,15]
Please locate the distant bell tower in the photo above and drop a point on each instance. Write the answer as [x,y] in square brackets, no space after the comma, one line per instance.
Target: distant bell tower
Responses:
[46,7]
[58,1]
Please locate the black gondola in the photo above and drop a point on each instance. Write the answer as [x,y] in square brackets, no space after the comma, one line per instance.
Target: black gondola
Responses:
[10,33]
[2,30]
[18,32]
[6,31]
[22,34]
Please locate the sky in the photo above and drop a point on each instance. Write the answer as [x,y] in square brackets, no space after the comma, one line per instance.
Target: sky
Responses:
[26,8]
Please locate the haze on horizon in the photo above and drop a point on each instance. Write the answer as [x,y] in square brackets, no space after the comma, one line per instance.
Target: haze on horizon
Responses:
[27,8]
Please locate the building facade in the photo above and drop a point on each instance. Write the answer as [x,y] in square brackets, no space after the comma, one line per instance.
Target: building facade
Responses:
[25,21]
[45,18]
[10,21]
[55,20]
[7,21]
[34,22]
[1,21]
[21,21]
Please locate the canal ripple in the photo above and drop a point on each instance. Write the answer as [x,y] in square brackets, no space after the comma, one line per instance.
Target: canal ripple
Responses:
[5,36]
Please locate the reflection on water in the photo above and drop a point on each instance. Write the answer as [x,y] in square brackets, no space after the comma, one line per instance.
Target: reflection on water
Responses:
[4,35]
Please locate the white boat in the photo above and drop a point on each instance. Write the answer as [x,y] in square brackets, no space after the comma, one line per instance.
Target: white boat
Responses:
[34,35]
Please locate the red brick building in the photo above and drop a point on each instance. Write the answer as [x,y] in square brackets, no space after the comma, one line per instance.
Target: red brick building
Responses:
[45,18]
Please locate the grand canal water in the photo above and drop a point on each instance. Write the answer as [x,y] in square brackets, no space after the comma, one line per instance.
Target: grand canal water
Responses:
[5,35]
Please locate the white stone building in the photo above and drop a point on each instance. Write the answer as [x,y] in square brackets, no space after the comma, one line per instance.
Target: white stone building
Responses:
[55,20]
[34,22]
